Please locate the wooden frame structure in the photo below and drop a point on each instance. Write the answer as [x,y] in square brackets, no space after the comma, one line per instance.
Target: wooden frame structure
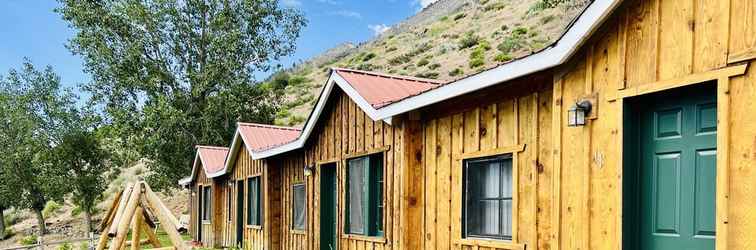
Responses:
[131,212]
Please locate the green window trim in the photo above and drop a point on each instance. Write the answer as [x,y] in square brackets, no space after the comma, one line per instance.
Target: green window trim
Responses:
[370,195]
[254,198]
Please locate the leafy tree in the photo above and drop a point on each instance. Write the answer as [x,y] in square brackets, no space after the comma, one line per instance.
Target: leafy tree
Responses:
[33,111]
[83,155]
[174,73]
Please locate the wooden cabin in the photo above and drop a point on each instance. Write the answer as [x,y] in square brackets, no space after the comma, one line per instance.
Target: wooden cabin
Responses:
[632,131]
[206,194]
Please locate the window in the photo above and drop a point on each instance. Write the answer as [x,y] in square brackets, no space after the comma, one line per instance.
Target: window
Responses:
[298,213]
[254,211]
[206,203]
[228,200]
[487,211]
[365,195]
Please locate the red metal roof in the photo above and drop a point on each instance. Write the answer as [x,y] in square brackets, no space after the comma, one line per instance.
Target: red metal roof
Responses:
[259,137]
[213,158]
[381,89]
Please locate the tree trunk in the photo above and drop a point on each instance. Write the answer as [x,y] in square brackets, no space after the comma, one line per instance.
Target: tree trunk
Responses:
[88,220]
[2,224]
[40,222]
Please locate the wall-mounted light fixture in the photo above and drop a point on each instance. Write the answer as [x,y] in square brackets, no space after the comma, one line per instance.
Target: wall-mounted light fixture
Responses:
[308,170]
[577,114]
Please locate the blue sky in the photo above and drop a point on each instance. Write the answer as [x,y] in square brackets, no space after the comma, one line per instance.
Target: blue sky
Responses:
[31,29]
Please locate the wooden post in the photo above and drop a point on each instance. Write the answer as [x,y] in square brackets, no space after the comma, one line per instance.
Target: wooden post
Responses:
[412,194]
[128,214]
[136,234]
[103,241]
[119,213]
[151,236]
[111,212]
[165,217]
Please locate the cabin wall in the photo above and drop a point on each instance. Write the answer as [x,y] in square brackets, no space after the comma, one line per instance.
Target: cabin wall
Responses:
[344,130]
[266,236]
[498,120]
[644,42]
[207,237]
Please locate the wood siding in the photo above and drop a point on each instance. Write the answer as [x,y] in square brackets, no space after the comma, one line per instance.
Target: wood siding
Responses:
[255,237]
[201,181]
[647,42]
[343,131]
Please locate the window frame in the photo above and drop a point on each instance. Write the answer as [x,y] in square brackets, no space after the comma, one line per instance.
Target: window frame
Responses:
[512,198]
[229,200]
[294,207]
[207,205]
[250,220]
[373,206]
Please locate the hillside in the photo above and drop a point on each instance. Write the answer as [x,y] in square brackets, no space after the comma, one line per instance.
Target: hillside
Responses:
[448,40]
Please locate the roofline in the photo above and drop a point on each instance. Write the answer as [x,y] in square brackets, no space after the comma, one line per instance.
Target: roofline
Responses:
[197,156]
[586,23]
[236,145]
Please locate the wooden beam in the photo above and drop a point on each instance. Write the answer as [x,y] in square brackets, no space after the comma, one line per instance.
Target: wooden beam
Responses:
[103,241]
[742,56]
[151,237]
[136,234]
[496,151]
[165,217]
[119,213]
[111,212]
[128,215]
[679,82]
[723,161]
[412,192]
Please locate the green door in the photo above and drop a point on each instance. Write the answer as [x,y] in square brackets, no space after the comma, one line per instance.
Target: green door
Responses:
[678,170]
[328,207]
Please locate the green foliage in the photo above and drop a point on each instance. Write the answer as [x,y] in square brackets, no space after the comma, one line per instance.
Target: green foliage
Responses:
[295,120]
[423,62]
[513,41]
[84,246]
[477,56]
[503,57]
[429,75]
[367,67]
[28,240]
[172,75]
[368,57]
[547,19]
[283,113]
[51,208]
[8,233]
[456,72]
[390,49]
[65,246]
[469,40]
[495,6]
[76,211]
[399,60]
[434,66]
[459,16]
[444,18]
[11,217]
[519,31]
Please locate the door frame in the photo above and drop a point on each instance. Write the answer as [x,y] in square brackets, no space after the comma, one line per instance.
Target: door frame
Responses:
[239,221]
[200,211]
[332,163]
[722,79]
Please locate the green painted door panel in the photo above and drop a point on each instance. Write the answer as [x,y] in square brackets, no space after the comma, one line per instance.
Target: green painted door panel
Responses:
[677,174]
[328,208]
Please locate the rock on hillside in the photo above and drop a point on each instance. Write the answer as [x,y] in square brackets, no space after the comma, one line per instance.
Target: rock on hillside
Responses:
[447,40]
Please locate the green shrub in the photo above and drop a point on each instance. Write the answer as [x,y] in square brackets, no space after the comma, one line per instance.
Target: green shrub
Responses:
[368,57]
[84,246]
[8,233]
[429,75]
[65,246]
[484,45]
[422,48]
[366,67]
[547,19]
[76,211]
[423,62]
[476,62]
[494,6]
[399,60]
[11,217]
[469,40]
[28,240]
[283,113]
[519,31]
[456,72]
[294,120]
[390,49]
[537,7]
[504,27]
[502,57]
[459,16]
[434,66]
[50,209]
[444,18]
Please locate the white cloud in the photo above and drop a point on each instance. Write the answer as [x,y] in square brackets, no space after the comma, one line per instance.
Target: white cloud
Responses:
[379,28]
[291,3]
[347,13]
[425,3]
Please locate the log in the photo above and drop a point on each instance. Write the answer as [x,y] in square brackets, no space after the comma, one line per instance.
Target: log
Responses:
[111,212]
[165,217]
[136,234]
[147,216]
[128,215]
[119,213]
[162,206]
[103,241]
[151,237]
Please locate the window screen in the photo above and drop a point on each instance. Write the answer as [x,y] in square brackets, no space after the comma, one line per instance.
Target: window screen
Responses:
[488,197]
[365,195]
[298,213]
[206,203]
[254,211]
